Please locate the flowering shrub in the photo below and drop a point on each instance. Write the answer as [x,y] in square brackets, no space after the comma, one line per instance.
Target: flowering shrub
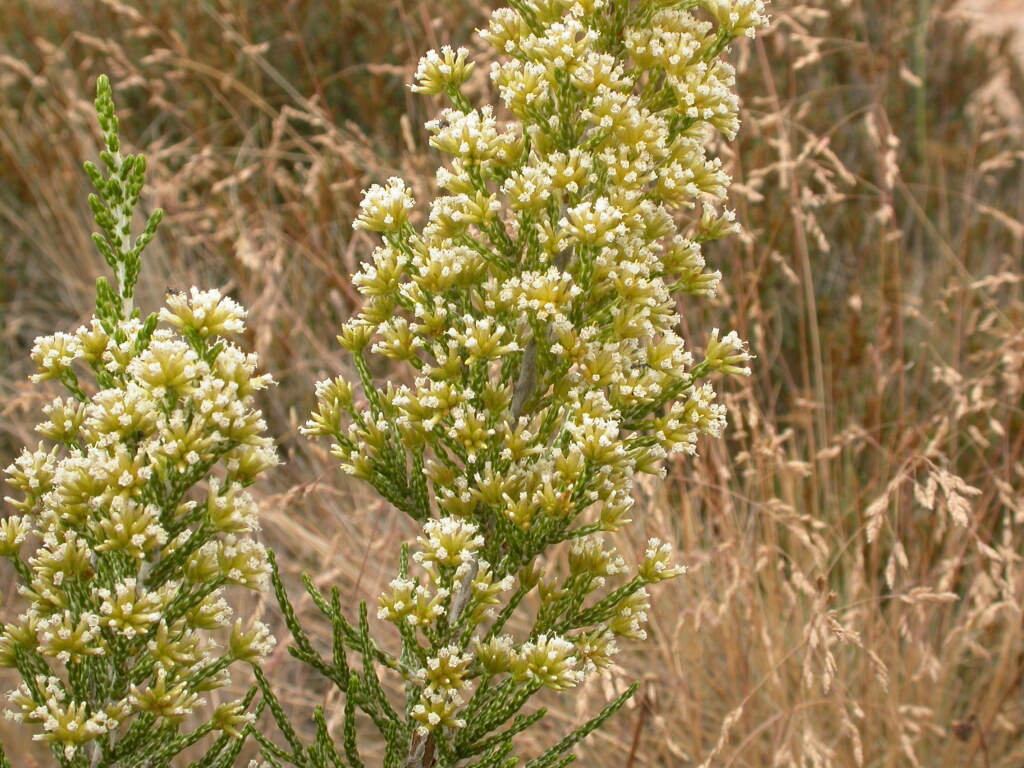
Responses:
[137,514]
[536,312]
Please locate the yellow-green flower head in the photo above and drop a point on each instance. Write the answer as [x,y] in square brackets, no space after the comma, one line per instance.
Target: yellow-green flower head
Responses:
[632,616]
[334,398]
[66,724]
[562,47]
[598,438]
[122,348]
[706,92]
[243,562]
[234,377]
[20,635]
[128,527]
[128,412]
[182,648]
[207,313]
[496,654]
[83,485]
[469,429]
[546,295]
[252,643]
[729,354]
[453,215]
[447,543]
[54,355]
[398,341]
[439,710]
[94,341]
[438,270]
[13,532]
[550,661]
[595,222]
[505,31]
[231,509]
[172,701]
[738,17]
[32,474]
[244,462]
[438,72]
[524,86]
[380,276]
[232,718]
[385,208]
[446,671]
[67,637]
[588,557]
[596,649]
[486,592]
[657,565]
[168,365]
[213,612]
[62,557]
[473,137]
[412,603]
[130,609]
[356,334]
[672,41]
[64,419]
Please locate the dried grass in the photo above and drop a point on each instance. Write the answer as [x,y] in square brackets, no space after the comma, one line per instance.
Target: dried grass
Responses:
[856,580]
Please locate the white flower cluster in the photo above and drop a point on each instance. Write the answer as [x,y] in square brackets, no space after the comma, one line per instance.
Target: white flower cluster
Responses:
[462,594]
[558,236]
[538,309]
[124,583]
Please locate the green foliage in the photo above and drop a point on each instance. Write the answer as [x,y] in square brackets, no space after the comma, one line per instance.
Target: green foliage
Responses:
[112,205]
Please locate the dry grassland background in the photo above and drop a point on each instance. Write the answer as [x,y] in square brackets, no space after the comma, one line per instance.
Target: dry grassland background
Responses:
[856,577]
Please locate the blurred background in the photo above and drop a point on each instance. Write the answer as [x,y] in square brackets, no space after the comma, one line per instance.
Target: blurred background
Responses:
[856,580]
